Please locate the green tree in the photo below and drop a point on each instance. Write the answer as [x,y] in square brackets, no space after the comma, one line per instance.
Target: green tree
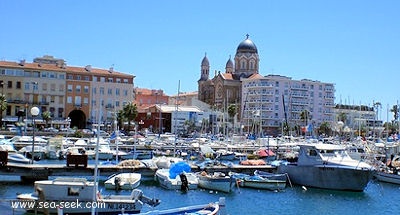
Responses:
[46,117]
[121,118]
[342,117]
[305,116]
[395,111]
[130,113]
[325,128]
[3,107]
[232,110]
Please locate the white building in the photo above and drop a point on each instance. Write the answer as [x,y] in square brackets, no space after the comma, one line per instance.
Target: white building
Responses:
[268,101]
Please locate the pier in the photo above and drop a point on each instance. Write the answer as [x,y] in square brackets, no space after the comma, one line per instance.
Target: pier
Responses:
[43,171]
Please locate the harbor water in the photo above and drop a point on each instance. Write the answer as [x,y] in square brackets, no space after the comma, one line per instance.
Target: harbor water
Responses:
[378,198]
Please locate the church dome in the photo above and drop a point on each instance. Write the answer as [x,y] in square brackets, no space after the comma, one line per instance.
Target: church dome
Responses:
[205,62]
[247,46]
[229,64]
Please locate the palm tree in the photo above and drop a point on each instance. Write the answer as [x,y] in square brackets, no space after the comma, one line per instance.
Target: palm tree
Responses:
[395,111]
[130,112]
[121,118]
[3,107]
[305,116]
[46,117]
[342,117]
[325,128]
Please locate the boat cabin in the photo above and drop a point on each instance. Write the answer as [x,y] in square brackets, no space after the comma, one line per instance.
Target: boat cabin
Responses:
[314,154]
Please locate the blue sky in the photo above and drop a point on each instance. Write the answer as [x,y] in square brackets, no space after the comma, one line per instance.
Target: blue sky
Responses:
[351,43]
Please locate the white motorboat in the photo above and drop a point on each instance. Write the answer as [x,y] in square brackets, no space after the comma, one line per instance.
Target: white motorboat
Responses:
[123,181]
[12,155]
[217,181]
[183,181]
[18,158]
[328,166]
[212,208]
[39,152]
[80,191]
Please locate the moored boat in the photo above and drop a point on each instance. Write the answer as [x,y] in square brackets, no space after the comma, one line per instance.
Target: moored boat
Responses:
[327,166]
[81,191]
[212,208]
[123,181]
[177,177]
[389,177]
[259,182]
[217,181]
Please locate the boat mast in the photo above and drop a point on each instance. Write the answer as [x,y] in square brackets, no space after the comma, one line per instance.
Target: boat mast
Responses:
[96,163]
[176,116]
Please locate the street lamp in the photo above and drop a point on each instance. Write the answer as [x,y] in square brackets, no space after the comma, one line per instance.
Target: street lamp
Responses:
[34,112]
[340,126]
[26,105]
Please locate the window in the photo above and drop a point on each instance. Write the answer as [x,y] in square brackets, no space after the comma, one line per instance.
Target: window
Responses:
[61,76]
[52,87]
[61,88]
[85,101]
[101,90]
[94,90]
[117,103]
[69,89]
[125,92]
[109,91]
[86,78]
[69,100]
[18,85]
[117,91]
[118,80]
[102,79]
[126,81]
[9,84]
[110,80]
[78,77]
[78,101]
[78,88]
[86,89]
[73,191]
[44,86]
[70,77]
[94,78]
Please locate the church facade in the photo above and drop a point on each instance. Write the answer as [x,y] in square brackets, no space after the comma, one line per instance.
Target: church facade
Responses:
[224,89]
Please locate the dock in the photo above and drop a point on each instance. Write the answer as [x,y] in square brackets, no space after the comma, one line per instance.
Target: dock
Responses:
[43,171]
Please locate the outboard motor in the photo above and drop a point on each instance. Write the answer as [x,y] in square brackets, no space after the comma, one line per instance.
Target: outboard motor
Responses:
[117,182]
[185,183]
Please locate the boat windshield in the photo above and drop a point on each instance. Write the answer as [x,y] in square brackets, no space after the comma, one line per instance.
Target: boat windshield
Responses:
[333,153]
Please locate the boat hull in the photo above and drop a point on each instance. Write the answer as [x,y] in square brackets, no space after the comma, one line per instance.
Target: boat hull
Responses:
[328,176]
[387,177]
[162,177]
[127,181]
[263,184]
[223,184]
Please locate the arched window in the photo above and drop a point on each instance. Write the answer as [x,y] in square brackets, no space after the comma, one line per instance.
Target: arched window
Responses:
[243,64]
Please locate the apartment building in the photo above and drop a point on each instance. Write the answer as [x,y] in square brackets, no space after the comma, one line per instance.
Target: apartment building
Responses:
[83,95]
[269,101]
